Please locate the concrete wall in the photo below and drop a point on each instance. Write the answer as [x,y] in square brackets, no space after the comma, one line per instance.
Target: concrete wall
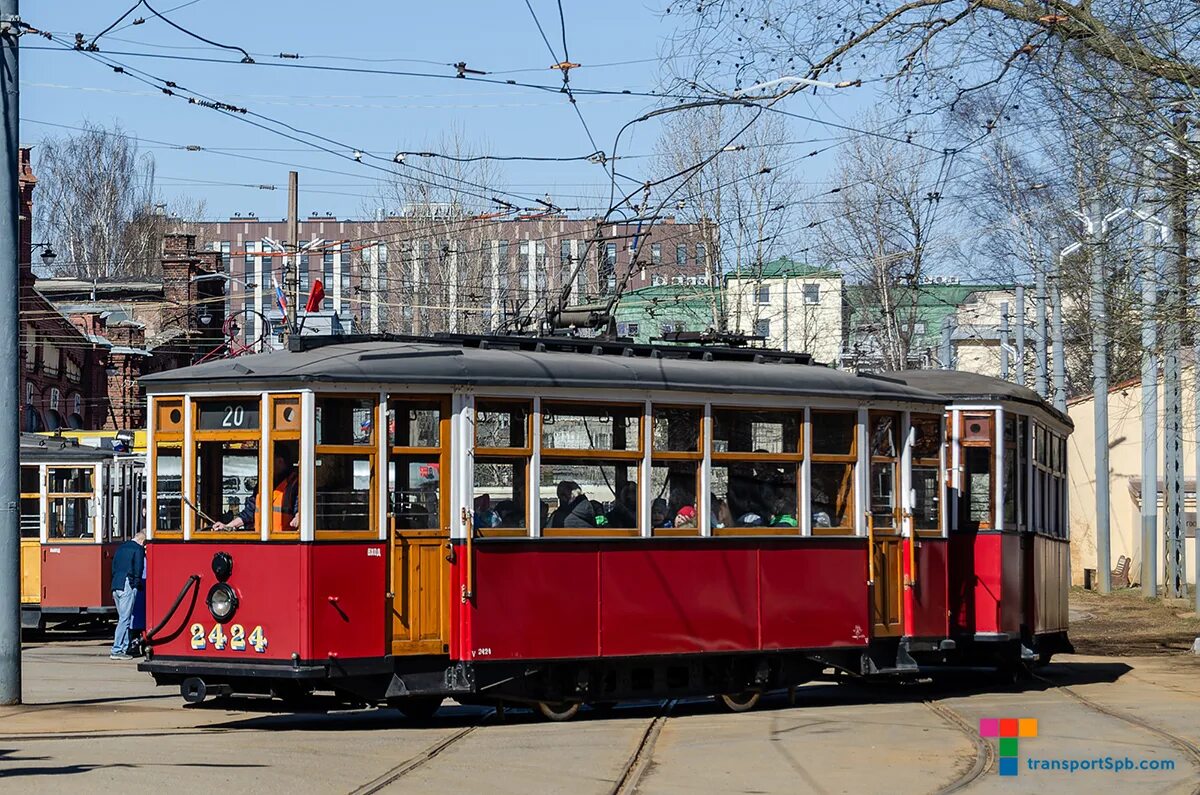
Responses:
[1125,464]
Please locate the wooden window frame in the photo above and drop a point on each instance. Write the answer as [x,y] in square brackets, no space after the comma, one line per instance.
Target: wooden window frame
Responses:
[894,461]
[849,485]
[934,462]
[274,434]
[43,530]
[167,439]
[965,416]
[441,452]
[665,457]
[369,449]
[634,454]
[90,496]
[796,459]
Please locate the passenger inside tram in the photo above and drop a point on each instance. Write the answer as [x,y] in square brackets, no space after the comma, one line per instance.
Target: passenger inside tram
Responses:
[285,495]
[574,508]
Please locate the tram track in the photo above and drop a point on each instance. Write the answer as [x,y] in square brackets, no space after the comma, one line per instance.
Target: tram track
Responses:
[984,754]
[639,762]
[394,774]
[1190,749]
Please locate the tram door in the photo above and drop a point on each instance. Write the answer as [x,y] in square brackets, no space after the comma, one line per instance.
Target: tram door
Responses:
[418,505]
[887,550]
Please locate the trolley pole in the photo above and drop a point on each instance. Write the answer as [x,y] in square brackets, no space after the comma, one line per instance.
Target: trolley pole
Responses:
[1100,399]
[1021,334]
[1004,340]
[10,373]
[1056,334]
[292,274]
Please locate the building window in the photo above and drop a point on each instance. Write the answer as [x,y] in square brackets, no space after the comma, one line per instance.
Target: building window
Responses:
[762,328]
[918,328]
[762,295]
[656,254]
[55,398]
[327,282]
[657,280]
[28,393]
[610,255]
[701,256]
[681,254]
[668,328]
[77,405]
[633,329]
[812,293]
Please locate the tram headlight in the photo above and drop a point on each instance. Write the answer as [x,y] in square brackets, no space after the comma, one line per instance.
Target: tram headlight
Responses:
[222,602]
[222,566]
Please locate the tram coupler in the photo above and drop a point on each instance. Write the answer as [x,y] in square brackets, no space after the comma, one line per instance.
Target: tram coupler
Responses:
[194,690]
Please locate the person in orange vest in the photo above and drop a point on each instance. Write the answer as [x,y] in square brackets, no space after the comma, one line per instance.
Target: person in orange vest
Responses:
[285,499]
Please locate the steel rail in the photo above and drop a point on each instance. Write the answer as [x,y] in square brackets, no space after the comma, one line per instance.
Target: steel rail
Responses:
[984,755]
[639,762]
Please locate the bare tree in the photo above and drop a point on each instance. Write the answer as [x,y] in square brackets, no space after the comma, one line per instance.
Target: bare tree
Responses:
[880,233]
[740,199]
[441,272]
[97,205]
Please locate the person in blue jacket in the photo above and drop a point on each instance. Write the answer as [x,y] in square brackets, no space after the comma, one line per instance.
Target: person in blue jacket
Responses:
[128,564]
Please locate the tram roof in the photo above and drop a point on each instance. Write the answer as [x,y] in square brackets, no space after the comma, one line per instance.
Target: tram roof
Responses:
[537,364]
[956,384]
[37,449]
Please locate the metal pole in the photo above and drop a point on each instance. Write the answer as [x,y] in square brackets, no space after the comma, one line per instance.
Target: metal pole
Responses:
[1004,340]
[1172,386]
[1149,415]
[1039,366]
[1056,331]
[10,373]
[1195,292]
[293,245]
[1100,400]
[947,343]
[1021,334]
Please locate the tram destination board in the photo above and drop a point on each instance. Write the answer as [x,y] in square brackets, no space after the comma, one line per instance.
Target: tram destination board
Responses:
[228,415]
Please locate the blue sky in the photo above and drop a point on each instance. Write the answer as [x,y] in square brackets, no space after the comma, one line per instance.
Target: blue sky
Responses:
[374,113]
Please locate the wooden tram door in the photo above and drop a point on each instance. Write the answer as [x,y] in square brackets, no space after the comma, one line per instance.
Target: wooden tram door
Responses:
[418,509]
[887,545]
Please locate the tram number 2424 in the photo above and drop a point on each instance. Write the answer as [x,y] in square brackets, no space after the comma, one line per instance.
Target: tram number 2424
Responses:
[236,640]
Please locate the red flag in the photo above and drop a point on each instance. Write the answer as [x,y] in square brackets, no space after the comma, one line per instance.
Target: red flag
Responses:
[315,296]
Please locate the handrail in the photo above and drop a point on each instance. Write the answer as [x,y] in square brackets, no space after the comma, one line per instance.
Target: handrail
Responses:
[912,550]
[870,549]
[193,579]
[468,588]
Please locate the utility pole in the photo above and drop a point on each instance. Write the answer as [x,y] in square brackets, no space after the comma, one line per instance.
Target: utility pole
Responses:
[1039,364]
[1100,398]
[291,267]
[1060,348]
[1172,387]
[947,343]
[1004,340]
[1149,415]
[1021,334]
[10,372]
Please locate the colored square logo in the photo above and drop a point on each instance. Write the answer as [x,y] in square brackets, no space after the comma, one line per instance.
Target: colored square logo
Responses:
[1027,727]
[1009,727]
[989,727]
[1008,766]
[1008,746]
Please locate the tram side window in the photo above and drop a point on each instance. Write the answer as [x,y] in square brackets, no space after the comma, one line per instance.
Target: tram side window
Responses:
[884,440]
[587,484]
[676,458]
[226,480]
[834,454]
[69,493]
[31,502]
[756,469]
[926,451]
[502,455]
[168,482]
[1011,469]
[344,464]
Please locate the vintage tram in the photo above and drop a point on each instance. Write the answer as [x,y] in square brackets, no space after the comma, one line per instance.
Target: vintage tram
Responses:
[558,522]
[78,503]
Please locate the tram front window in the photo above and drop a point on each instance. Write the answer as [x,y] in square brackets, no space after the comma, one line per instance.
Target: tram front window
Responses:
[31,503]
[70,502]
[168,480]
[226,480]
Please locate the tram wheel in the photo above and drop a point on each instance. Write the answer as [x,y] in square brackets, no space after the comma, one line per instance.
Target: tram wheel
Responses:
[419,708]
[740,702]
[557,712]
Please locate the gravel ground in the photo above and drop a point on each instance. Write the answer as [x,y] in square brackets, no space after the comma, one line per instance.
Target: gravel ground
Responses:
[1126,623]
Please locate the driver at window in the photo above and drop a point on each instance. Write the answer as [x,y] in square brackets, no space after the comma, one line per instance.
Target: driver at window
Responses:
[285,499]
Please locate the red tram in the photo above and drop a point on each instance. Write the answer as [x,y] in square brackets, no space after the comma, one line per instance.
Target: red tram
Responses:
[560,522]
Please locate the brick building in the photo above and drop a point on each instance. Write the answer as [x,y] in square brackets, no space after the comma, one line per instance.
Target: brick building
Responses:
[437,270]
[144,327]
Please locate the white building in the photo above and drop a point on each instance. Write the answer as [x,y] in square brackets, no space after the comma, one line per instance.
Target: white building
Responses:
[796,307]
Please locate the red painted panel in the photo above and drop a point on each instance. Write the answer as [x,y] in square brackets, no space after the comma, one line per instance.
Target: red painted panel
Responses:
[667,600]
[348,608]
[961,583]
[928,600]
[77,575]
[814,595]
[988,568]
[268,579]
[533,601]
